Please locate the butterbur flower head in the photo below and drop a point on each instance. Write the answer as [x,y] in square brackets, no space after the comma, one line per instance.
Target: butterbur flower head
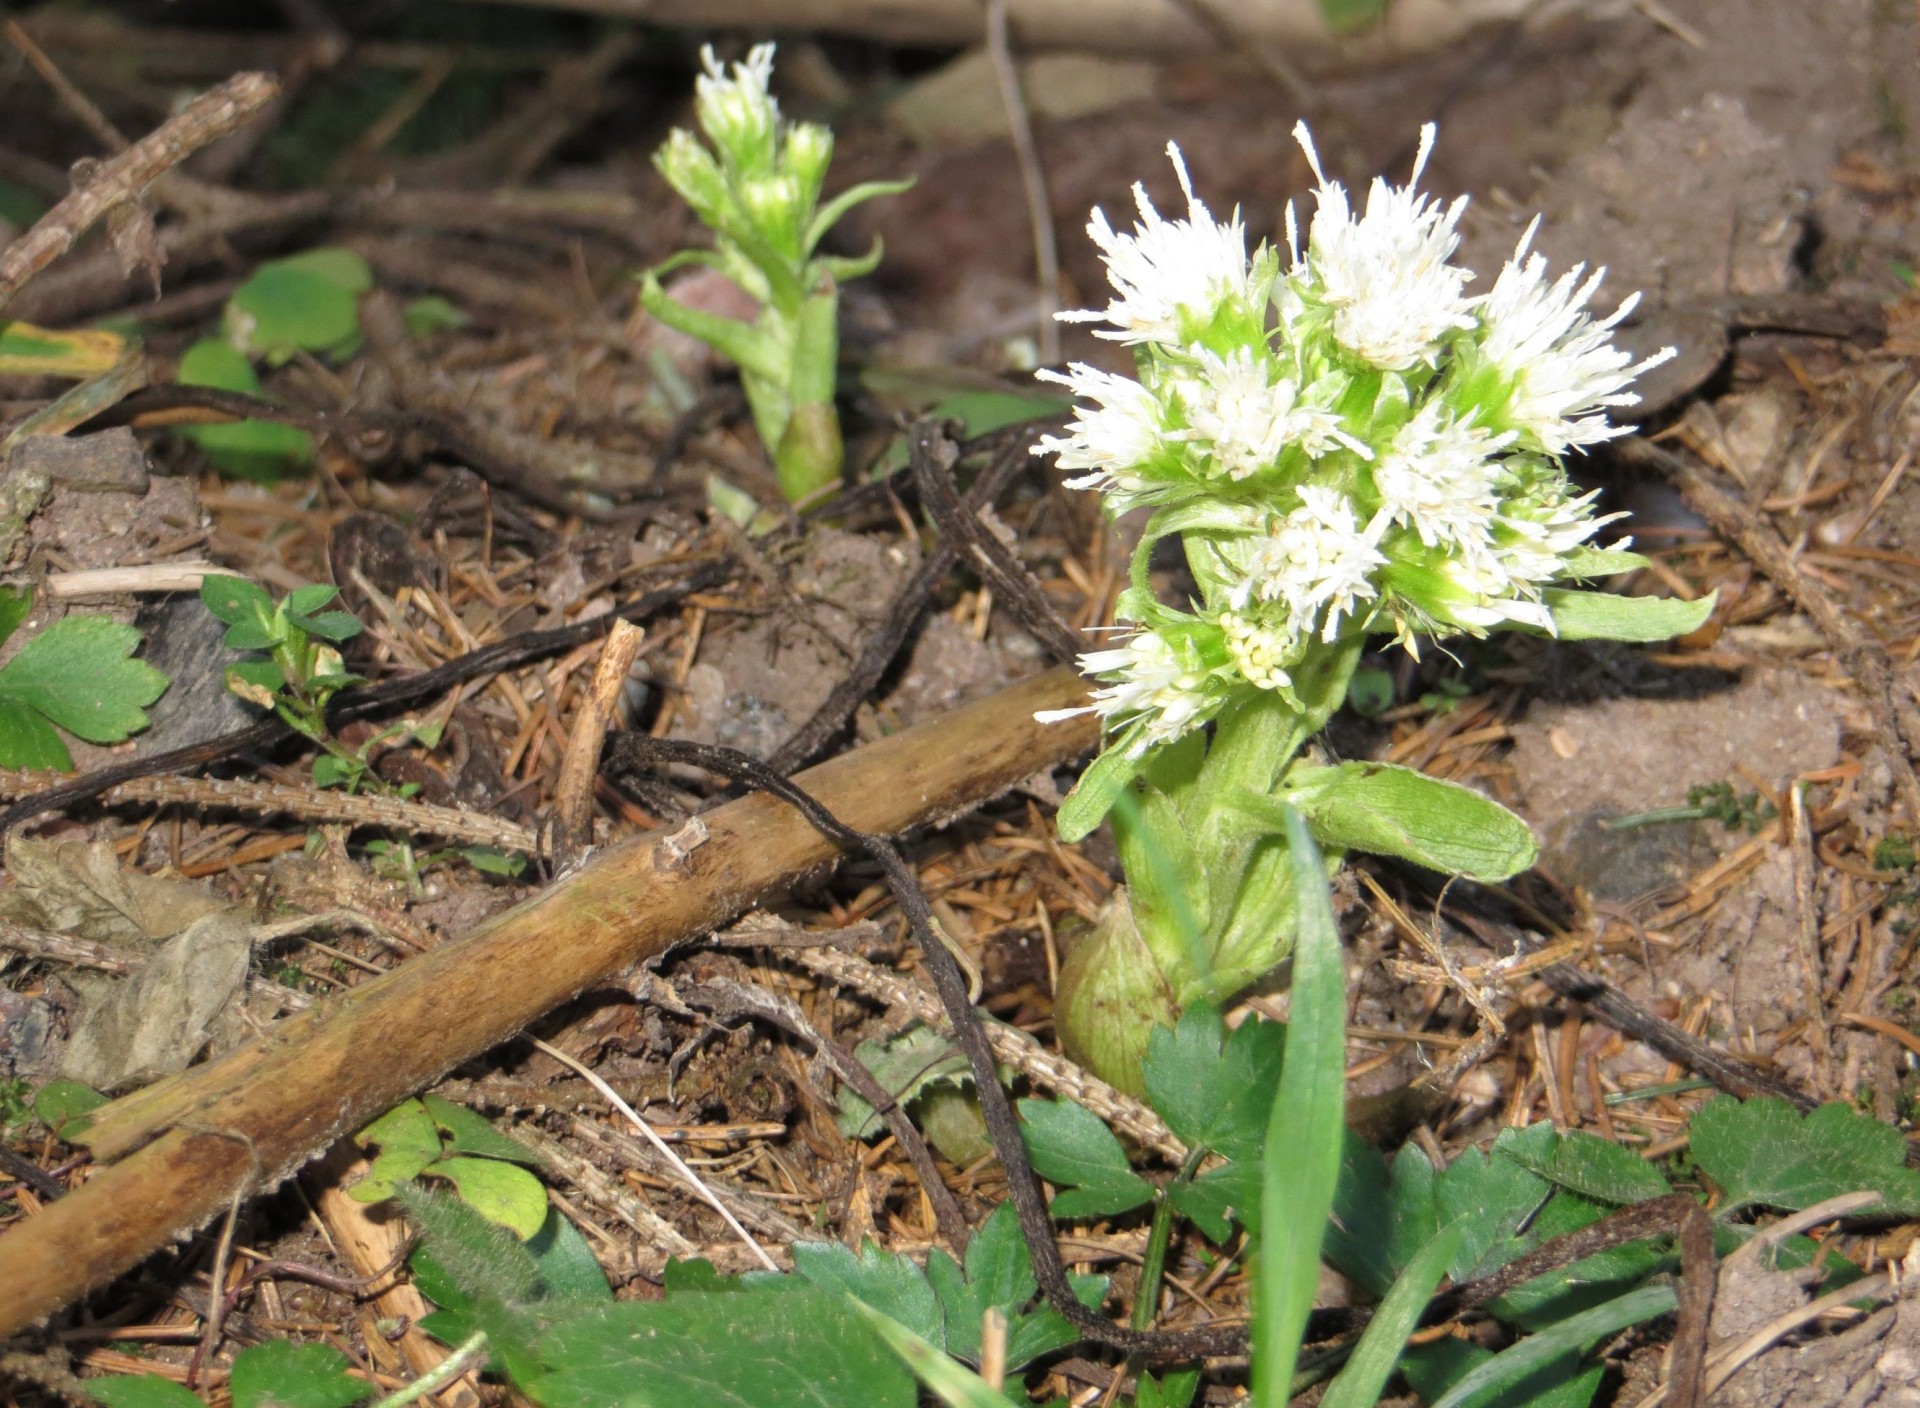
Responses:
[1383,277]
[1438,475]
[737,112]
[1558,367]
[1170,277]
[1111,440]
[1242,412]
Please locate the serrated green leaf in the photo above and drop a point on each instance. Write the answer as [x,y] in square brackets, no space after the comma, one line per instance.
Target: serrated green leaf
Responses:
[998,1274]
[29,741]
[879,1279]
[142,1391]
[1492,1197]
[1761,1152]
[499,1191]
[1172,1390]
[1214,1089]
[281,1374]
[776,1342]
[1604,616]
[1071,1146]
[468,1133]
[1396,811]
[1221,1197]
[1594,1168]
[78,673]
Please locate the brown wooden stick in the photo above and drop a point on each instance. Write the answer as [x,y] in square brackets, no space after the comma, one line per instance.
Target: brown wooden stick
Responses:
[570,829]
[125,177]
[187,1144]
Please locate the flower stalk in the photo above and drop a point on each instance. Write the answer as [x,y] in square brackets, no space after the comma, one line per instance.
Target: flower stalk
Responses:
[1347,446]
[755,182]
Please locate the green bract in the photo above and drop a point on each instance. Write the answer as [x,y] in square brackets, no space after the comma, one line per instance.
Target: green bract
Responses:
[756,184]
[1347,446]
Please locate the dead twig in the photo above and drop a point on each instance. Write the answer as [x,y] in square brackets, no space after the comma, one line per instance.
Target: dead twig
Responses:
[124,178]
[570,828]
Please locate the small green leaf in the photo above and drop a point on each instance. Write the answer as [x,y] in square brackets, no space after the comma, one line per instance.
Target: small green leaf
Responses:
[296,305]
[1346,16]
[1396,811]
[142,1391]
[1591,564]
[79,674]
[260,450]
[907,1066]
[430,314]
[304,601]
[237,601]
[329,625]
[1761,1152]
[1172,1390]
[63,1106]
[499,1191]
[1604,616]
[1071,1146]
[468,1133]
[568,1268]
[281,1374]
[1214,1088]
[407,1141]
[474,1256]
[1493,1197]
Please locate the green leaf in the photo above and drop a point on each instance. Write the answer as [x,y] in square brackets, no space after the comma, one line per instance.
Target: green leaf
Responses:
[1396,811]
[1569,1336]
[79,674]
[308,303]
[568,1268]
[1375,1357]
[1595,1168]
[1763,1153]
[430,314]
[239,602]
[468,1133]
[1220,1197]
[63,1106]
[774,1342]
[1604,616]
[1105,778]
[1072,1146]
[257,681]
[28,741]
[281,1374]
[261,450]
[142,1391]
[1214,1089]
[1302,1161]
[407,1141]
[1566,1382]
[305,600]
[879,1279]
[498,1191]
[1492,1197]
[335,626]
[1346,16]
[998,1275]
[16,603]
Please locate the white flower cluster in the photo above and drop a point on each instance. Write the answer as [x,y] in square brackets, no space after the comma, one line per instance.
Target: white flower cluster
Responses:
[1349,445]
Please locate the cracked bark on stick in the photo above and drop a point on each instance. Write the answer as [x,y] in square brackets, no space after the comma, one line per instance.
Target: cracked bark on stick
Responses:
[187,1146]
[1150,27]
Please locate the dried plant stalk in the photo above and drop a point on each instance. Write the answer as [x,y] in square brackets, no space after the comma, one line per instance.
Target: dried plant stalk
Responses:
[185,1146]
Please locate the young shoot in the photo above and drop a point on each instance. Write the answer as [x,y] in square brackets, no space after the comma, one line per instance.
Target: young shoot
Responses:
[1347,445]
[755,182]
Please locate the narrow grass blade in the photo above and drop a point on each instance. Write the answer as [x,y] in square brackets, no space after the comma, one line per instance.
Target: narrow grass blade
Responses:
[1373,1359]
[1574,1333]
[1303,1135]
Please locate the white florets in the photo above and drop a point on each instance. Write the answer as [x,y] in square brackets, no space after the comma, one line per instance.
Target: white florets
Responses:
[1317,559]
[1149,684]
[1385,275]
[1167,273]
